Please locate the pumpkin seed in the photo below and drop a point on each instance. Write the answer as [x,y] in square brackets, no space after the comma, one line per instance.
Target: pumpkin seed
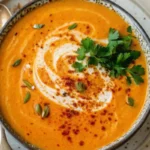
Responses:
[38,109]
[17,63]
[27,97]
[28,84]
[38,26]
[45,112]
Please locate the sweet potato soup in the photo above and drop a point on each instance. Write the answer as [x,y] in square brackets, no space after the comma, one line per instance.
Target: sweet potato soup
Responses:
[72,76]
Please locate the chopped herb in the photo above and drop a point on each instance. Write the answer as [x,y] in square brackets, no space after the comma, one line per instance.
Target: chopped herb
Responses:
[17,63]
[116,57]
[130,101]
[45,112]
[80,87]
[28,84]
[38,109]
[73,26]
[79,66]
[129,81]
[38,26]
[129,29]
[27,97]
[113,34]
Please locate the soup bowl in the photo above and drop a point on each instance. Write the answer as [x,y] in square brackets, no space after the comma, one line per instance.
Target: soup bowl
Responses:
[145,44]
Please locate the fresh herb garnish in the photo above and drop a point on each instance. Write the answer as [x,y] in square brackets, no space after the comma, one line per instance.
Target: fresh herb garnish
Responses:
[73,26]
[130,101]
[17,63]
[80,87]
[38,109]
[28,84]
[129,29]
[45,112]
[79,66]
[38,26]
[117,57]
[27,97]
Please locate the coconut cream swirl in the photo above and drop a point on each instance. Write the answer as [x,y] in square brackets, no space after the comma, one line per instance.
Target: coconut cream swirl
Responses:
[72,99]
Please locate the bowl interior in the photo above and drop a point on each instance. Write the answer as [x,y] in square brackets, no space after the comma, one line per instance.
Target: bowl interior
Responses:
[141,35]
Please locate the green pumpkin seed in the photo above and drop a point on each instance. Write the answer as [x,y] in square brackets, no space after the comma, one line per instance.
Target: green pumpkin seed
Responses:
[27,97]
[38,26]
[38,109]
[45,112]
[17,63]
[28,84]
[130,101]
[73,26]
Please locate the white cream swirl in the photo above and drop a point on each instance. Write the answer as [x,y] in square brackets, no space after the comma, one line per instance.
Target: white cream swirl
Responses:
[62,51]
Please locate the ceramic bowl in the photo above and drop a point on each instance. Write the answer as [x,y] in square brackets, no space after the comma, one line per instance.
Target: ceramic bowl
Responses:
[140,33]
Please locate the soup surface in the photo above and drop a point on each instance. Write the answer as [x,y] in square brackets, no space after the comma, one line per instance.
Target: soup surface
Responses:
[80,110]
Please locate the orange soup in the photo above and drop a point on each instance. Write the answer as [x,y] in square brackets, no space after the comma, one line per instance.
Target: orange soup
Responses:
[51,96]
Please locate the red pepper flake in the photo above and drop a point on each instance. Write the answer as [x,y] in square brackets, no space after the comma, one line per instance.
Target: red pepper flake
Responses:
[81,143]
[24,55]
[92,123]
[95,135]
[87,27]
[16,34]
[120,88]
[62,126]
[76,131]
[110,114]
[104,113]
[69,139]
[93,116]
[58,145]
[109,119]
[128,91]
[101,121]
[28,134]
[65,132]
[70,113]
[86,129]
[103,128]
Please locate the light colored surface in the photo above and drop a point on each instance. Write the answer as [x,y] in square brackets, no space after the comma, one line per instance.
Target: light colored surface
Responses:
[143,17]
[3,143]
[4,14]
[145,4]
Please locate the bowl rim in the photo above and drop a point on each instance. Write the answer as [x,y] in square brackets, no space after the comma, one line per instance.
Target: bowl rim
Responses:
[116,143]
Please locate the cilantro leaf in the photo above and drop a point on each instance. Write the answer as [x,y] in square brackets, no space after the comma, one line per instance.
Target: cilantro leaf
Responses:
[103,51]
[122,57]
[130,101]
[120,71]
[138,70]
[88,44]
[136,73]
[116,57]
[113,34]
[127,41]
[129,29]
[81,53]
[129,81]
[79,67]
[93,61]
[113,45]
[135,54]
[137,79]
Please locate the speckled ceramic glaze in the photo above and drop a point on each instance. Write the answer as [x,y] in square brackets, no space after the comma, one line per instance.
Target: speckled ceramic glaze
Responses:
[145,43]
